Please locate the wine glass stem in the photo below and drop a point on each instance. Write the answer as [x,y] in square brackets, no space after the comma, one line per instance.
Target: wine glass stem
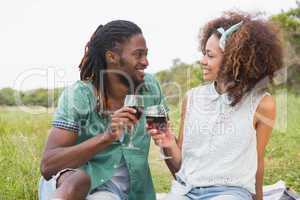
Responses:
[131,135]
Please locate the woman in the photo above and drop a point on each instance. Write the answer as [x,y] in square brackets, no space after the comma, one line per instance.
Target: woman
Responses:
[226,125]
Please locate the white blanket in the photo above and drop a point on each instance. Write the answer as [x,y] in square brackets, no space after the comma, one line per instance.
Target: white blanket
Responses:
[271,192]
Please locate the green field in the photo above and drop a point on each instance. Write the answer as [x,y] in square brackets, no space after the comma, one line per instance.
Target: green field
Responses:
[22,137]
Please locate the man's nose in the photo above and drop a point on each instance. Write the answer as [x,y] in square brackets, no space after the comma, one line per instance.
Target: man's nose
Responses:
[145,62]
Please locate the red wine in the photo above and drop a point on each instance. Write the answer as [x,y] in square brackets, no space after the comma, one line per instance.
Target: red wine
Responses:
[139,111]
[157,122]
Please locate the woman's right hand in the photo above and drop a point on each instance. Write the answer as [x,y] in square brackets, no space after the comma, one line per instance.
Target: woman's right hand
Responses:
[163,138]
[120,119]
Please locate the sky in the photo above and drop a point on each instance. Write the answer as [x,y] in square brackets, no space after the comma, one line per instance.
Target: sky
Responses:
[42,42]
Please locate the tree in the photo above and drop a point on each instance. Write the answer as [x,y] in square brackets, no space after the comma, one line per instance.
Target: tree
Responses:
[7,97]
[289,21]
[178,79]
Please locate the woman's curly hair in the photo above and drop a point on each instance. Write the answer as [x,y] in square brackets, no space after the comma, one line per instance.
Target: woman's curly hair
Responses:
[252,53]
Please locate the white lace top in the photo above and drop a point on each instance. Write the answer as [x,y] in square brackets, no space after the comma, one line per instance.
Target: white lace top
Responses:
[219,141]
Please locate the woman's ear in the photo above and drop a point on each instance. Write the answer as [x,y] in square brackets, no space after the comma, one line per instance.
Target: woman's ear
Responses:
[112,58]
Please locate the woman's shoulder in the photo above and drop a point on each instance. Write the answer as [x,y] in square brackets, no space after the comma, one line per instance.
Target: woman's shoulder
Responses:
[266,104]
[200,89]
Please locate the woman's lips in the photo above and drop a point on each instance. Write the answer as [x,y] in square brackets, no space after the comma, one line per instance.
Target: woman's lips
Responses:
[206,71]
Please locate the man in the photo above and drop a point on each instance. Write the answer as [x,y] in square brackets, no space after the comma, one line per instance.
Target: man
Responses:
[86,155]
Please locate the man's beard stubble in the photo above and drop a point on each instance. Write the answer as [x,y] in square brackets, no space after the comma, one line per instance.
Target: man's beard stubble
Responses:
[128,80]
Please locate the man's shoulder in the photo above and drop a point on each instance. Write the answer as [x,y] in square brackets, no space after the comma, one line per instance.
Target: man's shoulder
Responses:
[151,84]
[79,88]
[149,78]
[78,94]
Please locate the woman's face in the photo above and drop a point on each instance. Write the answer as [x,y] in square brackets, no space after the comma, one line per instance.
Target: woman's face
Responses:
[212,59]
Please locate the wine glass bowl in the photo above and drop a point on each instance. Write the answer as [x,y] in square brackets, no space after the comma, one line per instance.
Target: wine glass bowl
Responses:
[157,118]
[136,102]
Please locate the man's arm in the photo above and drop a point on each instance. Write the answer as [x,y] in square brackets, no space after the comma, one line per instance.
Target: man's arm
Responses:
[265,118]
[61,151]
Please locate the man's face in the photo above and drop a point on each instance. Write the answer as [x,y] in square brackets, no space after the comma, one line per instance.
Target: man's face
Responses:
[133,59]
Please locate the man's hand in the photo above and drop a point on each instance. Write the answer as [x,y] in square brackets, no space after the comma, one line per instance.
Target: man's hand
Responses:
[121,119]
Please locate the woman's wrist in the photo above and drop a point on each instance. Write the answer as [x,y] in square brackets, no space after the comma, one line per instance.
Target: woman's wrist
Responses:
[173,144]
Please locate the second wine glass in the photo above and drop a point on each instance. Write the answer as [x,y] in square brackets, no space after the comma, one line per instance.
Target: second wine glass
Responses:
[157,118]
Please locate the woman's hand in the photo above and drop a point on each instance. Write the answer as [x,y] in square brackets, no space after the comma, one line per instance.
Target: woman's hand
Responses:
[162,137]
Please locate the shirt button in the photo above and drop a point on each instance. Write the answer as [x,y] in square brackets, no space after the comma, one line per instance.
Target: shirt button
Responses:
[102,180]
[115,166]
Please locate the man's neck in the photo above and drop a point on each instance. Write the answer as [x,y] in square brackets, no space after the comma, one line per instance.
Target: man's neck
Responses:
[117,90]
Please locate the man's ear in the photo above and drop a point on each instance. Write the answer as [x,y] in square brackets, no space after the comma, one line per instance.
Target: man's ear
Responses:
[112,57]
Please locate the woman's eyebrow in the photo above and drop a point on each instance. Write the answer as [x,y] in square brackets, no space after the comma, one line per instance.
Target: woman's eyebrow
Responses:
[208,51]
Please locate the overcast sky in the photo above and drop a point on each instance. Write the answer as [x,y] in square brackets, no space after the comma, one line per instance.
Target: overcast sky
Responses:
[42,42]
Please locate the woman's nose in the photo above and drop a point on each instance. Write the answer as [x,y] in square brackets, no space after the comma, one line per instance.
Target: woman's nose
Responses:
[203,60]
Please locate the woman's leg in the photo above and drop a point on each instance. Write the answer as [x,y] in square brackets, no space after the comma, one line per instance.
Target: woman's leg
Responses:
[226,197]
[226,193]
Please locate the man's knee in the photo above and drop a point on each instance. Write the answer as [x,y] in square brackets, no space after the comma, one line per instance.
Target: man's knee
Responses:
[73,184]
[74,178]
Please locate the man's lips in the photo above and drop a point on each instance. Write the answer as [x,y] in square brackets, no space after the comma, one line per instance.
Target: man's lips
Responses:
[140,71]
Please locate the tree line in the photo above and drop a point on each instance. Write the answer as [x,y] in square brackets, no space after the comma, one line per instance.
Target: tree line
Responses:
[181,76]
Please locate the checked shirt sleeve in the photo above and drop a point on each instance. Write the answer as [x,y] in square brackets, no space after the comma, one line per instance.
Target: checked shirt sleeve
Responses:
[72,107]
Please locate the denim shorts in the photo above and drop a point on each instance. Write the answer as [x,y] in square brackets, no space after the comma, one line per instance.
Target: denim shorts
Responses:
[220,193]
[107,191]
[209,193]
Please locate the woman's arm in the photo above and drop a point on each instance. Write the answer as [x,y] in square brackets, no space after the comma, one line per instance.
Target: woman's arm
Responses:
[264,120]
[168,141]
[175,150]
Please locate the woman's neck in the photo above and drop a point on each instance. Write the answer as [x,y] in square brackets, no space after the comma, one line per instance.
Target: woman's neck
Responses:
[220,87]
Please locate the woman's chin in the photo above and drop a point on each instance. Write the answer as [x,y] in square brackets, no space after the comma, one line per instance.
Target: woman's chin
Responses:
[208,78]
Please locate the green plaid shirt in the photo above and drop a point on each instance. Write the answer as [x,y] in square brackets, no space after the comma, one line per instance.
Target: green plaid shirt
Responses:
[76,112]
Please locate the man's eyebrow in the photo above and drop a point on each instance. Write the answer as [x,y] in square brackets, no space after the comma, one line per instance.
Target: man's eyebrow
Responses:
[141,50]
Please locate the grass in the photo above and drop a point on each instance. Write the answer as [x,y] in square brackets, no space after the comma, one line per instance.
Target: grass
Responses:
[22,138]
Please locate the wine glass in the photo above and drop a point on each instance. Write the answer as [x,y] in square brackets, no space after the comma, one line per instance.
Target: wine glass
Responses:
[157,118]
[136,102]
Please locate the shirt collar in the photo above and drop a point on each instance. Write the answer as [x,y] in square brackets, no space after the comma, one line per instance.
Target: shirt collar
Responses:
[215,96]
